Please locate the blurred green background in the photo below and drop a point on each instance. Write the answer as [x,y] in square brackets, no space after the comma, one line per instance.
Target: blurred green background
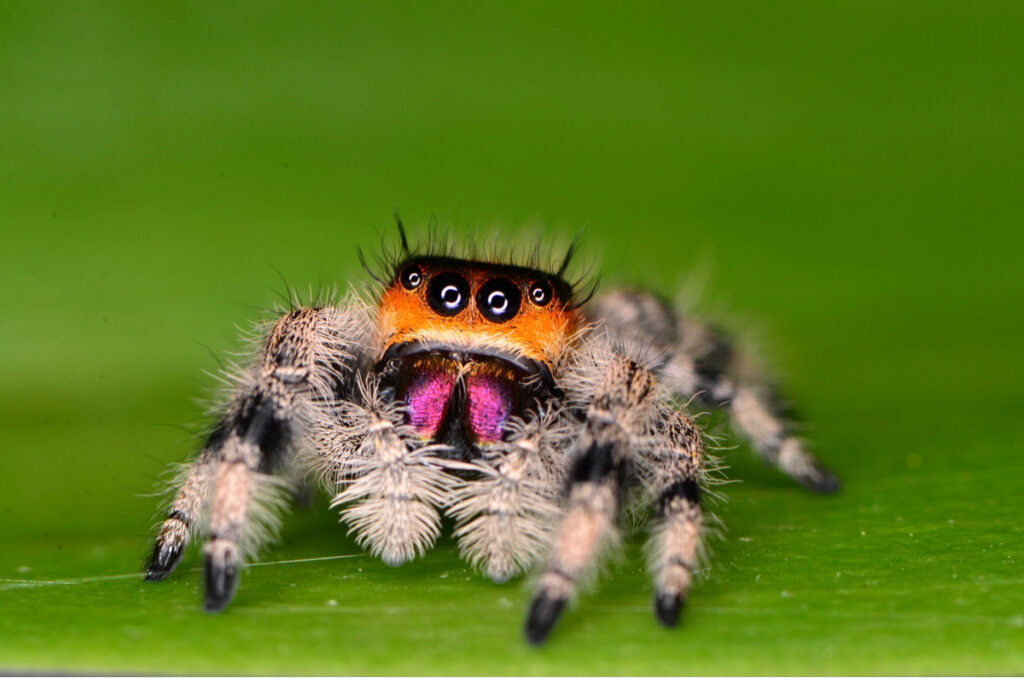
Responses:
[849,173]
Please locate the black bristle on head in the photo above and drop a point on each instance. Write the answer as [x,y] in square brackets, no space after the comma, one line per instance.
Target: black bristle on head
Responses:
[402,234]
[439,243]
[584,289]
[366,267]
[533,261]
[570,253]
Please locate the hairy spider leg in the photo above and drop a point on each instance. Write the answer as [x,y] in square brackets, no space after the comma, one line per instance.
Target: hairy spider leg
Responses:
[698,362]
[301,363]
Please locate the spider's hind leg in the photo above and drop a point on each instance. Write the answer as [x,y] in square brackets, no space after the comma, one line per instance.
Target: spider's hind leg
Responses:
[754,410]
[697,361]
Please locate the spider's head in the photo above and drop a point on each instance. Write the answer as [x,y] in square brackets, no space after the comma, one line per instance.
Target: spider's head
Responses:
[517,314]
[467,344]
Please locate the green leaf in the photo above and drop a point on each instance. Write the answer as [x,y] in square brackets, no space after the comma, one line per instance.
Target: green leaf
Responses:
[851,171]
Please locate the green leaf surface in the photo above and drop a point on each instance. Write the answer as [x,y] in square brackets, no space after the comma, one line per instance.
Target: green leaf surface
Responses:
[850,175]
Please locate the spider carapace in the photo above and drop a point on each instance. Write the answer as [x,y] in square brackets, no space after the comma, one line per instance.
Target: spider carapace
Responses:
[494,392]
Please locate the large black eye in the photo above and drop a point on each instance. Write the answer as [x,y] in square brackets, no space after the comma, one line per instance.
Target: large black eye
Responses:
[412,277]
[499,299]
[540,293]
[448,293]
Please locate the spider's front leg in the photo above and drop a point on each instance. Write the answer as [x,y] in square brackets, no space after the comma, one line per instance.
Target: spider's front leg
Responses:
[388,480]
[616,418]
[504,516]
[671,467]
[231,489]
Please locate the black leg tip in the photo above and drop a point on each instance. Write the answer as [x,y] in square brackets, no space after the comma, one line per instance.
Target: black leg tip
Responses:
[544,612]
[221,583]
[821,481]
[162,563]
[154,574]
[667,607]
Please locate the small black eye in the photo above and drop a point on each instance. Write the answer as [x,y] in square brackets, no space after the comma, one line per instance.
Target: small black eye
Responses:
[499,299]
[411,277]
[540,293]
[448,293]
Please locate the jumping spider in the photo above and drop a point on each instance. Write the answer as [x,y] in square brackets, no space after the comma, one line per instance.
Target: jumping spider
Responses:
[496,393]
